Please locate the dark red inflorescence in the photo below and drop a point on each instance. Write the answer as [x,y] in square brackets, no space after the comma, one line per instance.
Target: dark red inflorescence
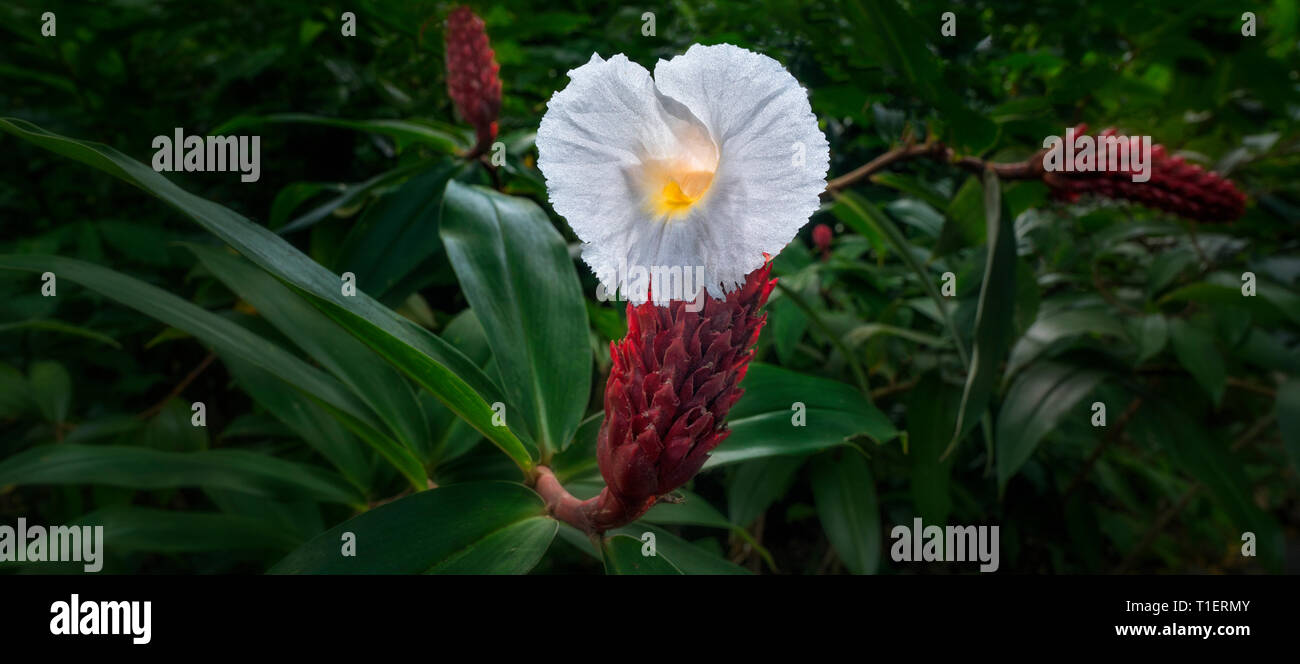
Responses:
[674,378]
[472,78]
[1176,186]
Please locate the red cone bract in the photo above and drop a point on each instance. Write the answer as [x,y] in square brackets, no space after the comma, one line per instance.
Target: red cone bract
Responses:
[1175,186]
[821,236]
[472,77]
[674,377]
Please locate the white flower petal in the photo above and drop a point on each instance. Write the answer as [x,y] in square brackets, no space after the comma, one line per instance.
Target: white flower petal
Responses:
[759,116]
[696,170]
[592,143]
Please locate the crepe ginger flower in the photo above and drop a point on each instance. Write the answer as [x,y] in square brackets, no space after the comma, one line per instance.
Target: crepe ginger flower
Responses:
[698,171]
[708,168]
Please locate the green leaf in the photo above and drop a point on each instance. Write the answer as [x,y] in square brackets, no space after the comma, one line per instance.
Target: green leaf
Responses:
[1268,351]
[110,427]
[14,392]
[433,363]
[579,458]
[1186,440]
[897,40]
[304,417]
[1054,326]
[395,235]
[845,494]
[967,224]
[516,272]
[1271,305]
[1151,333]
[51,390]
[911,186]
[917,215]
[450,436]
[1034,405]
[1196,351]
[129,529]
[377,383]
[473,528]
[1288,418]
[302,518]
[683,555]
[228,338]
[763,421]
[348,196]
[404,132]
[429,360]
[294,195]
[47,325]
[1167,266]
[759,483]
[173,429]
[140,468]
[622,554]
[860,334]
[1028,299]
[787,325]
[967,130]
[693,510]
[994,316]
[139,242]
[864,217]
[931,415]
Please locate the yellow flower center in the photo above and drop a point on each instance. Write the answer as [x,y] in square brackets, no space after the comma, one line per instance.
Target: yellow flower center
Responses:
[681,191]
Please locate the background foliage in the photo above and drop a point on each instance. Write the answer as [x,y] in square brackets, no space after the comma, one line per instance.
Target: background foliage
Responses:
[320,409]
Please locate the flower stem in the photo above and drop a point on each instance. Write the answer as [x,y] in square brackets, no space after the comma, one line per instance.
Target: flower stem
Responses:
[593,516]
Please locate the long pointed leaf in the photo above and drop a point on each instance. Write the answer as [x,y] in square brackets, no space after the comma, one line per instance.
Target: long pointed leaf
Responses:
[994,316]
[433,363]
[142,468]
[520,281]
[373,380]
[227,337]
[478,528]
[764,423]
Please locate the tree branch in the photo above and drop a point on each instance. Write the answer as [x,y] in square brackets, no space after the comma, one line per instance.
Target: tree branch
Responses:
[1029,169]
[180,387]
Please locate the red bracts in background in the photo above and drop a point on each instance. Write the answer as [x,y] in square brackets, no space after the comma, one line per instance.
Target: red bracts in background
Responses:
[472,77]
[1176,186]
[821,237]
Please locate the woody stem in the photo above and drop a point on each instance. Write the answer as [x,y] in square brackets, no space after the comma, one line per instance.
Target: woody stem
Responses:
[1029,169]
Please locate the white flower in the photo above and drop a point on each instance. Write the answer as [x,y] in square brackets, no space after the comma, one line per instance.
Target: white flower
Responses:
[712,163]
